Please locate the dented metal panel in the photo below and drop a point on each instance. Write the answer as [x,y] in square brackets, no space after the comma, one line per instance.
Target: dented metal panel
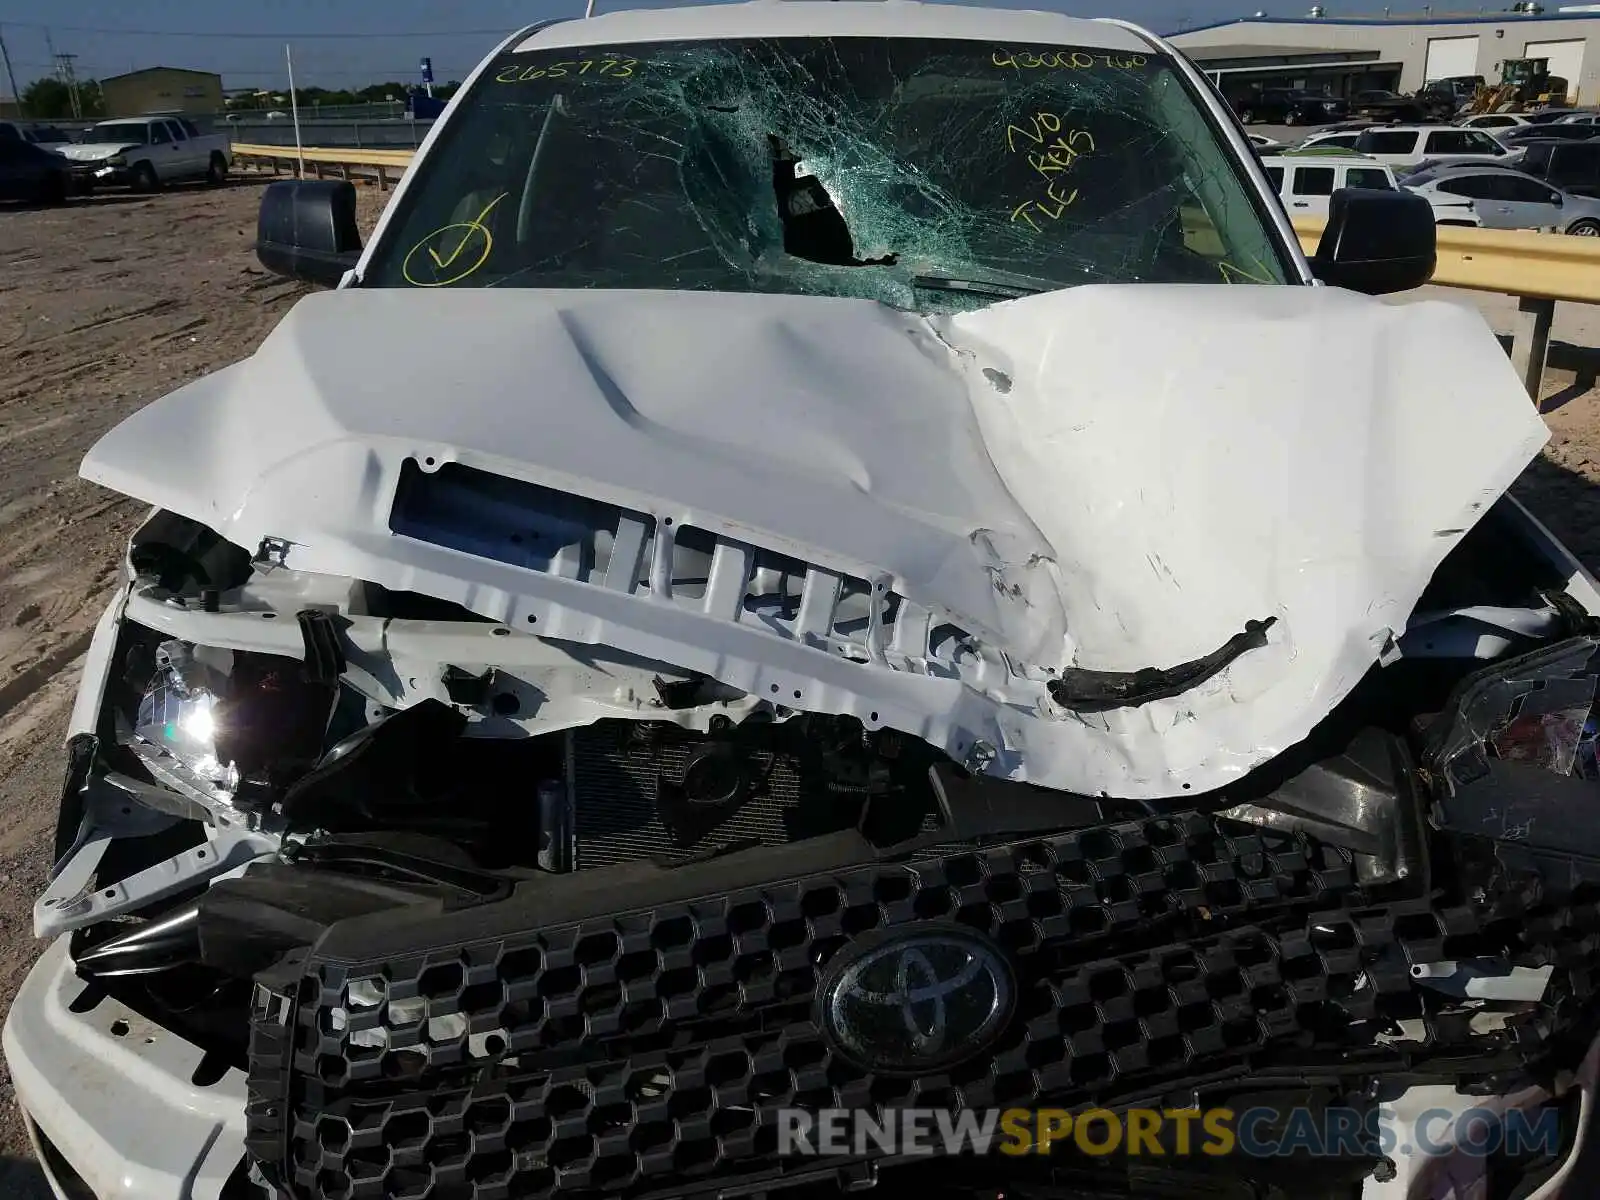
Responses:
[1129,500]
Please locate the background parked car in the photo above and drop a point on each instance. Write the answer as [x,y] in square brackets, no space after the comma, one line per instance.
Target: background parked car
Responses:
[1264,144]
[1306,181]
[1508,199]
[1492,122]
[1344,139]
[33,174]
[1548,116]
[46,136]
[1462,89]
[1430,104]
[1288,106]
[1373,96]
[1569,166]
[1404,145]
[1527,133]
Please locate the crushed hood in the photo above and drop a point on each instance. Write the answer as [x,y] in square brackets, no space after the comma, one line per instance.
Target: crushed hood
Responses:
[94,151]
[1105,478]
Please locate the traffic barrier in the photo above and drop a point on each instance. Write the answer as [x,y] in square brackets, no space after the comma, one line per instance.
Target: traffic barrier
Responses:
[1538,269]
[384,165]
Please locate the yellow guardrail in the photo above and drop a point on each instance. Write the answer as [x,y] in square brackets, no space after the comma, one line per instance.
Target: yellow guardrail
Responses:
[382,164]
[1516,262]
[1537,268]
[327,155]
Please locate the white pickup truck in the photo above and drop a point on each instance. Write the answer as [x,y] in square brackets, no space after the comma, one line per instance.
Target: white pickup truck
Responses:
[147,152]
[830,567]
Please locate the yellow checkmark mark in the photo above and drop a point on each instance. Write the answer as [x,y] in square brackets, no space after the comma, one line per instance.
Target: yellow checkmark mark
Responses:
[468,229]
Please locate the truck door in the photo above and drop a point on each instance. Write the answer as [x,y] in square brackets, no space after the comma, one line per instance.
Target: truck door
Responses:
[187,148]
[165,156]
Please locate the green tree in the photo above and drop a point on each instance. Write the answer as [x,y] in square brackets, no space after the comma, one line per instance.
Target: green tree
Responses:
[49,99]
[380,91]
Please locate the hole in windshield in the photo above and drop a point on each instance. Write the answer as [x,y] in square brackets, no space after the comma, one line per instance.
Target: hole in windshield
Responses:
[813,228]
[923,173]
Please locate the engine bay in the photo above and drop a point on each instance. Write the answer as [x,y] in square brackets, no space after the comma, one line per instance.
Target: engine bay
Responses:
[550,861]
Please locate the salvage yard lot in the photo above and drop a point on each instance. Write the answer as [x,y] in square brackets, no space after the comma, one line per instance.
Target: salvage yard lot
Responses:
[109,303]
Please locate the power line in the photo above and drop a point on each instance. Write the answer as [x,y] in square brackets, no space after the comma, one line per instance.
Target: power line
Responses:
[398,73]
[501,31]
[379,75]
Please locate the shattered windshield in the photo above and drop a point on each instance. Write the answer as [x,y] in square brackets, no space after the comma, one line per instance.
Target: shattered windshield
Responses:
[924,173]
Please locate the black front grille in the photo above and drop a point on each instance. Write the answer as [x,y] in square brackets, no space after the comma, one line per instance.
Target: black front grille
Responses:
[634,1035]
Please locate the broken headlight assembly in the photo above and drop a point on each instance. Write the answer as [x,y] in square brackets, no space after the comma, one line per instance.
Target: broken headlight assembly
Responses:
[225,726]
[176,728]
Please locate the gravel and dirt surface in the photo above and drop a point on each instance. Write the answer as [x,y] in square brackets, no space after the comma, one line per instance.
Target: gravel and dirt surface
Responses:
[107,304]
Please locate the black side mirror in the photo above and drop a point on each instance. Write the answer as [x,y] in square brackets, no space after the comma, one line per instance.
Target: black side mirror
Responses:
[1376,241]
[307,229]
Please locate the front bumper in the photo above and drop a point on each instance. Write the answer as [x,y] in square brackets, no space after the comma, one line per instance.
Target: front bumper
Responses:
[114,1115]
[111,1099]
[104,175]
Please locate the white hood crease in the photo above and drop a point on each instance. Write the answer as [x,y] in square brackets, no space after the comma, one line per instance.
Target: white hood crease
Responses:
[1106,477]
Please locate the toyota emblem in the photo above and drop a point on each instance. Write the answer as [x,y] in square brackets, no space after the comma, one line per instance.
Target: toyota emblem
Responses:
[917,1000]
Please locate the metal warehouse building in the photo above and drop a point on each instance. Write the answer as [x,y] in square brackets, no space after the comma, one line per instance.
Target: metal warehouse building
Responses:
[157,90]
[1345,55]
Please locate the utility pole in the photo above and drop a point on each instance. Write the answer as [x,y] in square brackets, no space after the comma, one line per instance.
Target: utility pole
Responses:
[6,54]
[66,75]
[70,78]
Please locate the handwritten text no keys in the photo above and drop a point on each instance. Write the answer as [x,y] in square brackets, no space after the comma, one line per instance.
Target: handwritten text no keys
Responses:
[1052,150]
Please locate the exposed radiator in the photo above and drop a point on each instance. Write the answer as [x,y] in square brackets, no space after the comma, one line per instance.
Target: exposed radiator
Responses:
[631,802]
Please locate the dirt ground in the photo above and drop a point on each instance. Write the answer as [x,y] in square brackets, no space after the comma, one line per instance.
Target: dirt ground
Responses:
[105,305]
[109,303]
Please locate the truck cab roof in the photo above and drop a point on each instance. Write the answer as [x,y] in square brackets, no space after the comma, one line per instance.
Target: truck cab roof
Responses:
[835,18]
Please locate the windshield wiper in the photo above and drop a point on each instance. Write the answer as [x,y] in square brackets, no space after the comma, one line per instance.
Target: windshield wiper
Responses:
[981,287]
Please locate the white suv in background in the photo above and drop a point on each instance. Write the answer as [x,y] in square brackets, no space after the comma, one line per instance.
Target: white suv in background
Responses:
[1404,145]
[1306,183]
[1489,122]
[1339,139]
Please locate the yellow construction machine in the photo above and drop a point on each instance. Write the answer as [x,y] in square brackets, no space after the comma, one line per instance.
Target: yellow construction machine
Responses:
[1525,83]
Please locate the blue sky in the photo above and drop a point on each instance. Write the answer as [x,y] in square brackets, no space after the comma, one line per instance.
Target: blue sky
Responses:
[206,35]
